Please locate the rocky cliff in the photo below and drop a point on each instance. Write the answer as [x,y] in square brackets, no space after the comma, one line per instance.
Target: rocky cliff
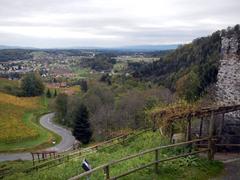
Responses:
[228,83]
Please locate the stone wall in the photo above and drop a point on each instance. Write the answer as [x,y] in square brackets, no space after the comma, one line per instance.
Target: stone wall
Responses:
[228,85]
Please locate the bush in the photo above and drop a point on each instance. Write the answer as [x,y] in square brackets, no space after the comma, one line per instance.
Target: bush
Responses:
[188,86]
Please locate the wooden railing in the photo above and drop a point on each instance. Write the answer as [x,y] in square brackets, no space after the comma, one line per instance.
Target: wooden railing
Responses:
[86,151]
[106,167]
[4,171]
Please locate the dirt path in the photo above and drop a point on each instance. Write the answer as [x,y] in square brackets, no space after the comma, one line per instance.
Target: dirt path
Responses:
[231,166]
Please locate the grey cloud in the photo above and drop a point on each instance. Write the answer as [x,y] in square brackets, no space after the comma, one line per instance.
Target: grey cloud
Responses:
[182,22]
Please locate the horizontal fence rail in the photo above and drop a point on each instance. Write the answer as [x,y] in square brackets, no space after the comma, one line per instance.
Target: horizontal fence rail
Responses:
[158,161]
[4,171]
[106,167]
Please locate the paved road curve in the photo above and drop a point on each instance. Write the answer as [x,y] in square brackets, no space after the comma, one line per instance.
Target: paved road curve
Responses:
[46,121]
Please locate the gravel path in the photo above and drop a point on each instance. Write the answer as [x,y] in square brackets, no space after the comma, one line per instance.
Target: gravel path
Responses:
[231,166]
[45,121]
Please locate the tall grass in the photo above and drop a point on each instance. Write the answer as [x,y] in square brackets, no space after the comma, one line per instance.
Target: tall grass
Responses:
[184,168]
[19,126]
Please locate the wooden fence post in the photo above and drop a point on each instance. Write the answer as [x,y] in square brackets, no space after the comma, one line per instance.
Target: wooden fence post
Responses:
[59,159]
[210,140]
[201,126]
[221,125]
[171,132]
[107,172]
[33,159]
[154,125]
[38,157]
[189,132]
[156,159]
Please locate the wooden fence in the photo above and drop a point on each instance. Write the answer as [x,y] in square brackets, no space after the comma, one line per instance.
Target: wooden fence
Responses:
[4,171]
[61,158]
[66,156]
[155,151]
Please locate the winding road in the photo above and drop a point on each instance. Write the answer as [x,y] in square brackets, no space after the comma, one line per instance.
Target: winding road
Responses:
[46,121]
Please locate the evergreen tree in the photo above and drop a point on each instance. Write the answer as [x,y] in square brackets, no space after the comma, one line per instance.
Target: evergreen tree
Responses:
[55,93]
[61,107]
[106,78]
[84,85]
[81,129]
[48,94]
[32,85]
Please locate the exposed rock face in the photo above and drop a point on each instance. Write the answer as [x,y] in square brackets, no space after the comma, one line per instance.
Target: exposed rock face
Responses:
[228,84]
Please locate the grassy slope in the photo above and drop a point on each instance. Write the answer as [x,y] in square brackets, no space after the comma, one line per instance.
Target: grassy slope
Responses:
[10,87]
[19,120]
[184,168]
[43,140]
[5,82]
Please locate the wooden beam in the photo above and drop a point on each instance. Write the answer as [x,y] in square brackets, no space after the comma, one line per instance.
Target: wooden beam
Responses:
[189,128]
[228,145]
[38,157]
[221,125]
[171,132]
[201,112]
[156,160]
[152,163]
[33,159]
[200,128]
[107,172]
[142,153]
[210,141]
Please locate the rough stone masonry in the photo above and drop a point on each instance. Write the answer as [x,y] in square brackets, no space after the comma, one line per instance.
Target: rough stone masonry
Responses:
[228,85]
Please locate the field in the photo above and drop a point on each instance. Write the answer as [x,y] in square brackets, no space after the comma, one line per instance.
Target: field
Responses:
[192,167]
[8,86]
[14,118]
[67,90]
[20,130]
[6,82]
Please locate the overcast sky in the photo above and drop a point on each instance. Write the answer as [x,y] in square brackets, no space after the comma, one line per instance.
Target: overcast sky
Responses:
[106,23]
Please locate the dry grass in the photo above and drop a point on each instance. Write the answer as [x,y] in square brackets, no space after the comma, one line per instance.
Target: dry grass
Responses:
[13,126]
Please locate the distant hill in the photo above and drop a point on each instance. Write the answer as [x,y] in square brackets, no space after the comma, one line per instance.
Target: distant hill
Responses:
[11,53]
[122,48]
[14,54]
[15,47]
[145,48]
[8,47]
[137,48]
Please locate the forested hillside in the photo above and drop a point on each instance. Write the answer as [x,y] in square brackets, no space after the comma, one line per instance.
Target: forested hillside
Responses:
[193,65]
[190,69]
[14,54]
